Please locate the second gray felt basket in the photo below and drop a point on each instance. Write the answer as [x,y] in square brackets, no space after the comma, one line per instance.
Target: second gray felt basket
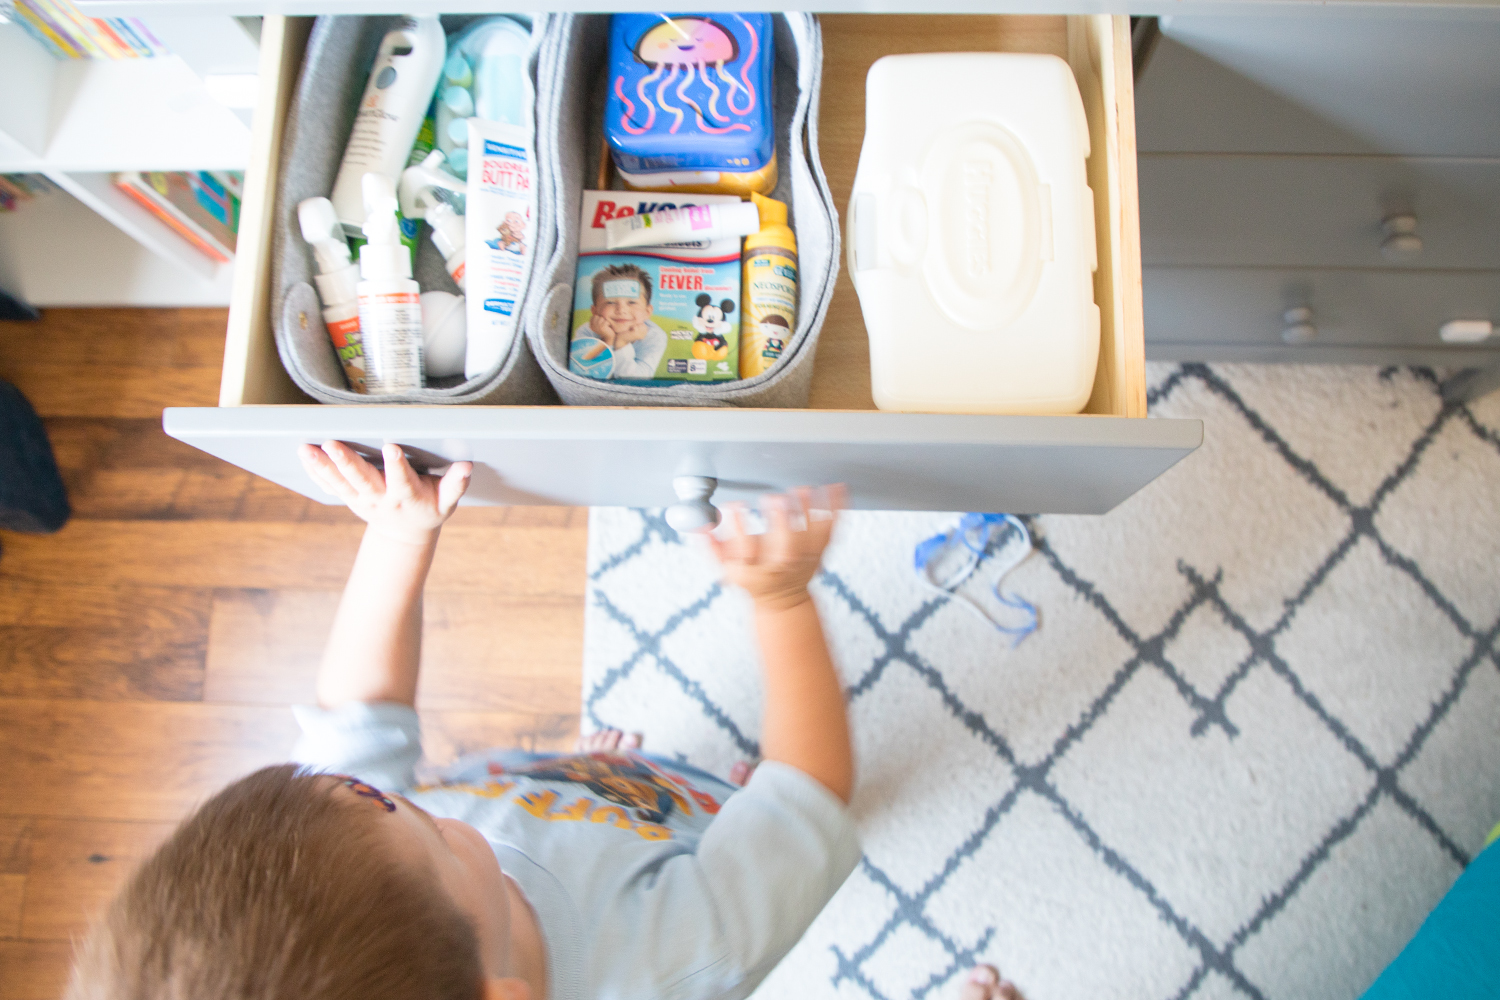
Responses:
[571,75]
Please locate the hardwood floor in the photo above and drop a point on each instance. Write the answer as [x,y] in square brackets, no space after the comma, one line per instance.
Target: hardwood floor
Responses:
[148,650]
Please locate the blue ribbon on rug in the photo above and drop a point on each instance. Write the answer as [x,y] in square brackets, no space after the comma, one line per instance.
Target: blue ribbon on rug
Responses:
[973,537]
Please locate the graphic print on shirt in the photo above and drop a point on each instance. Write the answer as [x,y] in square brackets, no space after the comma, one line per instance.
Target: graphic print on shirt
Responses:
[638,795]
[624,779]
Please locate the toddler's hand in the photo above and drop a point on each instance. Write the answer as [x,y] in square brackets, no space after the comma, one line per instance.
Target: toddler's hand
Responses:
[630,334]
[775,568]
[401,505]
[603,329]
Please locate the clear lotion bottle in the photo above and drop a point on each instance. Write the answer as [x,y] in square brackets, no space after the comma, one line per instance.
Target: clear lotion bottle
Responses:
[390,305]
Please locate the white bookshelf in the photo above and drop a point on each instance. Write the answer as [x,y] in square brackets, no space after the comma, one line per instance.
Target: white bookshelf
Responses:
[77,121]
[57,251]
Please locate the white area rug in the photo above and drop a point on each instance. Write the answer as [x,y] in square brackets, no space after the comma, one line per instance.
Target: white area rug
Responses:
[1253,742]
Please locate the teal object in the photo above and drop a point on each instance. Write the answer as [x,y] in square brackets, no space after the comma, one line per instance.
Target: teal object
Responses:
[458,163]
[599,367]
[1455,954]
[497,49]
[456,71]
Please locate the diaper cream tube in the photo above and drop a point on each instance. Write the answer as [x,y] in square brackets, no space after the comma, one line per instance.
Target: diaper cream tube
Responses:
[500,231]
[688,224]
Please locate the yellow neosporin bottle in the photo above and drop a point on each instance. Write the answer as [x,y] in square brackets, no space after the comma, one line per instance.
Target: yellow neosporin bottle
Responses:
[769,301]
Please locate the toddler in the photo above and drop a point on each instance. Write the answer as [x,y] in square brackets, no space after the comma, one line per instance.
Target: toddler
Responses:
[605,874]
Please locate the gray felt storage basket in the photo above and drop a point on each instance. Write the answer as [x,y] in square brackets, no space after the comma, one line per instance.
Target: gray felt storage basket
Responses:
[572,73]
[334,71]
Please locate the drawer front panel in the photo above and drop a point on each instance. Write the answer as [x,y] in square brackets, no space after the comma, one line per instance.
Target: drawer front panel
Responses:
[1391,309]
[1316,211]
[559,455]
[1322,80]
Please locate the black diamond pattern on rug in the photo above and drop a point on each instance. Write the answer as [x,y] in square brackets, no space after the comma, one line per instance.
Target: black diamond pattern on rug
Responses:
[1250,746]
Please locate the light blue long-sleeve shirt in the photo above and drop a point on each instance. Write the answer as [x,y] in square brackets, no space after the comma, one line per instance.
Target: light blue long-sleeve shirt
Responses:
[649,878]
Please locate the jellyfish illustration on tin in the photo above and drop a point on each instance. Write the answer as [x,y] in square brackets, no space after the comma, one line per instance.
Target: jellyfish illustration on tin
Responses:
[683,50]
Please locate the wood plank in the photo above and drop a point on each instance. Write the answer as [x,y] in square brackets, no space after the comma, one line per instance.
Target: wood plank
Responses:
[102,642]
[76,868]
[479,652]
[1100,56]
[446,736]
[155,761]
[123,391]
[1130,347]
[575,518]
[264,646]
[100,664]
[159,338]
[15,844]
[519,562]
[34,970]
[83,604]
[252,371]
[149,761]
[118,469]
[15,861]
[12,893]
[128,469]
[851,42]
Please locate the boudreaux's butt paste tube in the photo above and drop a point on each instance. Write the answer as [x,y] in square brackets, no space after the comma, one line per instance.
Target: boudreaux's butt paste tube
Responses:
[501,222]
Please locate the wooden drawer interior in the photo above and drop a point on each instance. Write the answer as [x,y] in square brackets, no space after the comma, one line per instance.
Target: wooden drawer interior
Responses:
[1097,47]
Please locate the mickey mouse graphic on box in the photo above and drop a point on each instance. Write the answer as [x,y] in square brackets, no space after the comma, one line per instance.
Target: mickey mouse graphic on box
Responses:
[656,315]
[712,341]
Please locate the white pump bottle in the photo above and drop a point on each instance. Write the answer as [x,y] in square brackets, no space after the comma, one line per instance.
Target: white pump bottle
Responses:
[390,305]
[391,111]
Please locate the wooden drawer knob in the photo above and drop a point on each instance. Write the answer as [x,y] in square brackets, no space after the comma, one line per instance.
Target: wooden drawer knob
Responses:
[1401,241]
[1297,325]
[1465,331]
[692,513]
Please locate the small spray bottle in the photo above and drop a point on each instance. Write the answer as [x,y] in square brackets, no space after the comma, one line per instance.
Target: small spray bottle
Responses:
[337,285]
[390,306]
[448,236]
[428,192]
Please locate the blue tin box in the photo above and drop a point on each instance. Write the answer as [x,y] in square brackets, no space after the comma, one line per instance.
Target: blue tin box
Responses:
[690,92]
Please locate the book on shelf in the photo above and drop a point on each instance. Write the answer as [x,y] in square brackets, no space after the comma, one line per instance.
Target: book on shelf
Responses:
[18,188]
[68,34]
[203,207]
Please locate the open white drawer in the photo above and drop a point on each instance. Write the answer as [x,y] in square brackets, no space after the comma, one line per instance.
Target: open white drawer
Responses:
[629,456]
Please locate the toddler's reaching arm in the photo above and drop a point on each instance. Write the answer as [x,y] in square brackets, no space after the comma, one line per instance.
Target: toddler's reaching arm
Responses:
[375,647]
[805,725]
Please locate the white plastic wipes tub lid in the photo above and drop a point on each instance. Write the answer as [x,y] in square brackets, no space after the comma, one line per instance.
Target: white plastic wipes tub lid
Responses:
[971,238]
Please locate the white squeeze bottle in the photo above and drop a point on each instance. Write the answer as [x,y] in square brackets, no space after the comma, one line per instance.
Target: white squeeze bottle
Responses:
[448,236]
[337,283]
[405,74]
[390,304]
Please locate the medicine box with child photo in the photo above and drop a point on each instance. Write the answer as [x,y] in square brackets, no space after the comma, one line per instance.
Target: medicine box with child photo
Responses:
[654,315]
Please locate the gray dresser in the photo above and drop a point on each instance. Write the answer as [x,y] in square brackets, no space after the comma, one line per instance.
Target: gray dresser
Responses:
[1322,187]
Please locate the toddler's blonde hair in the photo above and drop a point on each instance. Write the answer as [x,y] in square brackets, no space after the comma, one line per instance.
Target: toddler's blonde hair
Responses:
[279,889]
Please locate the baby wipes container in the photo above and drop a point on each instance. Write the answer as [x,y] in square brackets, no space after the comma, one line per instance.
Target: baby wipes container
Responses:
[971,235]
